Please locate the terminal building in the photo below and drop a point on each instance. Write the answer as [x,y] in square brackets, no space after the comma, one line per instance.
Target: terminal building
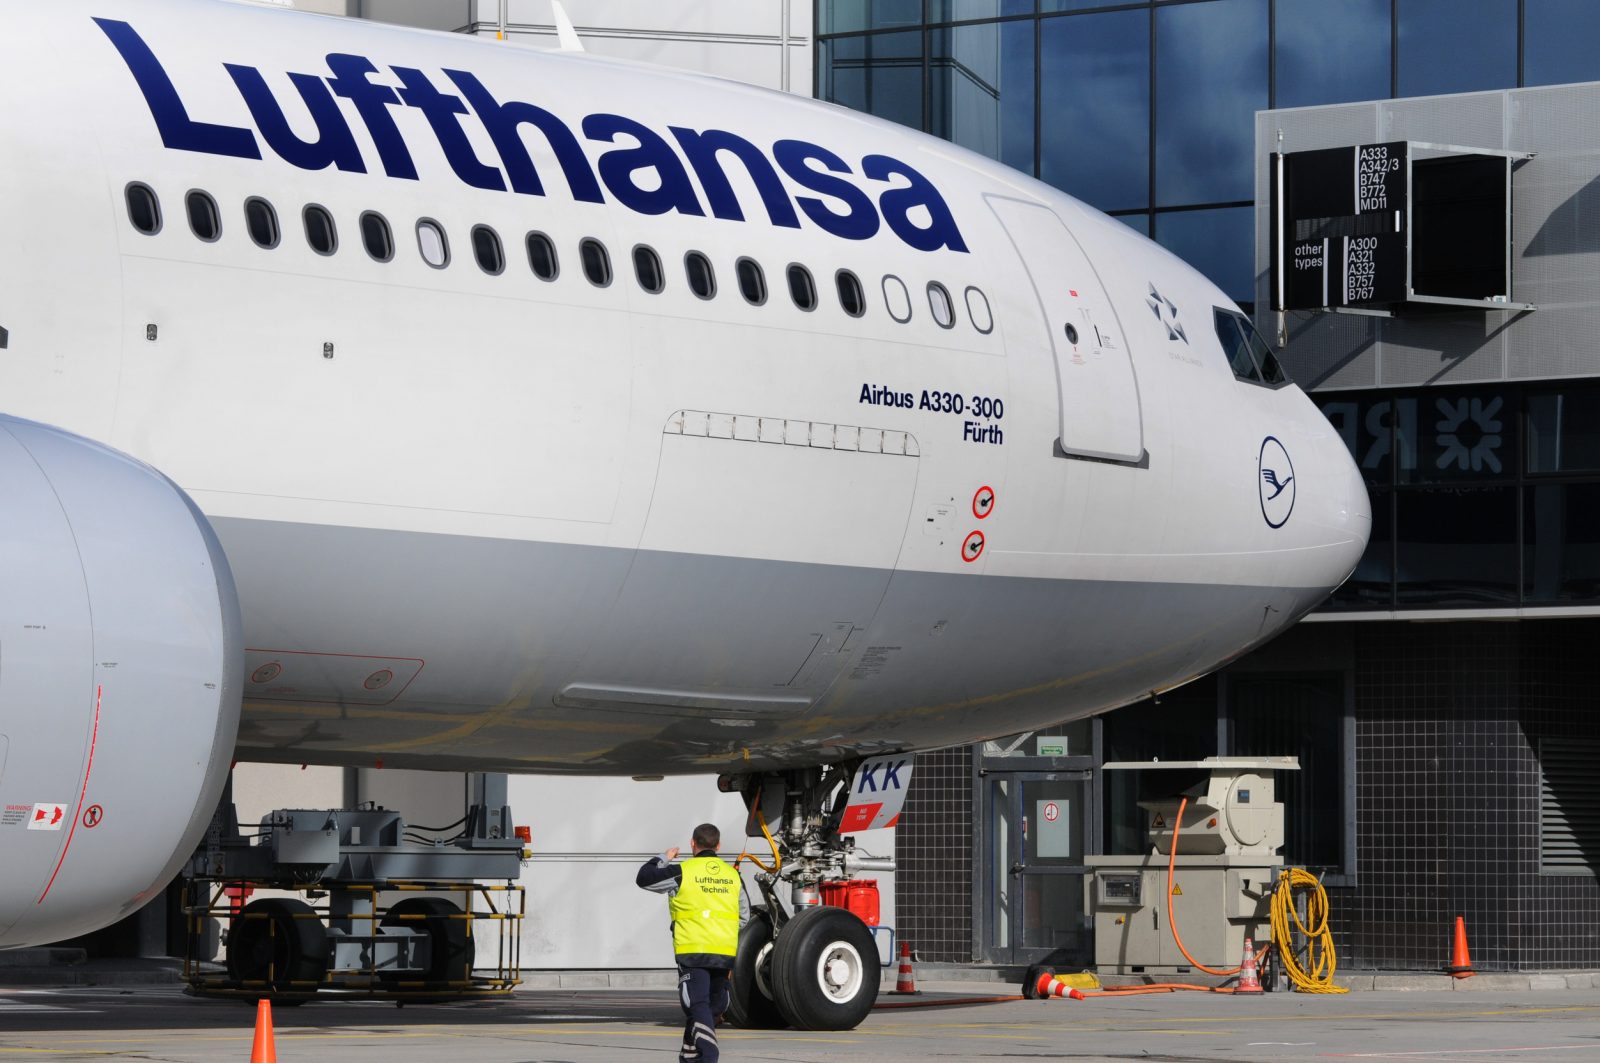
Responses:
[1440,704]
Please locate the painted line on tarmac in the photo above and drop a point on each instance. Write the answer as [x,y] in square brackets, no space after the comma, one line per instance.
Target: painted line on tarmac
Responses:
[1457,1054]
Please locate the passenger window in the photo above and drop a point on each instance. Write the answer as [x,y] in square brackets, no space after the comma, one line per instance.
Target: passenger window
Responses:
[262,222]
[944,311]
[488,250]
[978,311]
[852,297]
[896,298]
[432,243]
[702,278]
[144,210]
[377,237]
[204,219]
[647,270]
[596,262]
[802,289]
[752,282]
[542,257]
[320,231]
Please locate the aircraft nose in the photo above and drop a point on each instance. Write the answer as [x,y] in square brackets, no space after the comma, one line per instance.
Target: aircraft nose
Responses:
[1345,514]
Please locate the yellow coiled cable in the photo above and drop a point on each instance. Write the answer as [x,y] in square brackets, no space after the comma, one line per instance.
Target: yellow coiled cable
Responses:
[1319,939]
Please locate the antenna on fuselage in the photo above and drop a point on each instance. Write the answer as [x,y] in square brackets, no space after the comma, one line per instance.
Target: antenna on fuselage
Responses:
[566,32]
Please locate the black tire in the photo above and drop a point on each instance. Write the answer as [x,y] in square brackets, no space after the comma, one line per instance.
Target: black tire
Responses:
[750,1002]
[267,943]
[825,970]
[451,950]
[1030,980]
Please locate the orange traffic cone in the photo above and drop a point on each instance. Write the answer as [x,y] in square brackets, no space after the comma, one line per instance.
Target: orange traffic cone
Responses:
[1049,987]
[1249,980]
[1460,965]
[907,981]
[263,1051]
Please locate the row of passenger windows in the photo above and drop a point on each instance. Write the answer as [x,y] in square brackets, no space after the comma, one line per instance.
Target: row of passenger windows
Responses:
[377,238]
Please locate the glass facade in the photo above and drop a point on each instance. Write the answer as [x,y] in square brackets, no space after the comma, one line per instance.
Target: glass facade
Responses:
[1481,496]
[1145,109]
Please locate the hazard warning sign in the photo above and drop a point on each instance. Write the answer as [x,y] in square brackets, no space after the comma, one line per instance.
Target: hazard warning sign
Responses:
[47,817]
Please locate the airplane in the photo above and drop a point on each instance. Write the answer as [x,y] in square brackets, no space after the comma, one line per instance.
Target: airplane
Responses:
[381,397]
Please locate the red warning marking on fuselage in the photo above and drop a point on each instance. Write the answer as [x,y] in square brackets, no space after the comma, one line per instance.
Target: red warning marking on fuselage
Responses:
[983,502]
[92,816]
[972,549]
[94,737]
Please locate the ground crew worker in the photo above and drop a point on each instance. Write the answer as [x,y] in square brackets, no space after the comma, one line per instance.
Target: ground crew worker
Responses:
[708,907]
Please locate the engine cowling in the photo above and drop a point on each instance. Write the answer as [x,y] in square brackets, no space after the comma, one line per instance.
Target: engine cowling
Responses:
[121,661]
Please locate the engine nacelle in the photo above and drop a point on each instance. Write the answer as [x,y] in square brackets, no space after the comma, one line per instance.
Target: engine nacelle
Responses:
[121,660]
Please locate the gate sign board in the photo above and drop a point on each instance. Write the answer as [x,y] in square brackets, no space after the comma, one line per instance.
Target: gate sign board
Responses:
[877,793]
[1339,217]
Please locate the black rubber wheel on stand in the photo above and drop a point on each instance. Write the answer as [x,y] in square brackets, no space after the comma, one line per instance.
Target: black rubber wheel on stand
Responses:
[750,998]
[451,951]
[825,969]
[268,943]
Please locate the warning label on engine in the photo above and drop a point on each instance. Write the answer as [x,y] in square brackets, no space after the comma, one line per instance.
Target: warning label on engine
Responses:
[47,817]
[14,814]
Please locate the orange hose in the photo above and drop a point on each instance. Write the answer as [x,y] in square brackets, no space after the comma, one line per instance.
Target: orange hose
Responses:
[1172,863]
[946,1002]
[1155,987]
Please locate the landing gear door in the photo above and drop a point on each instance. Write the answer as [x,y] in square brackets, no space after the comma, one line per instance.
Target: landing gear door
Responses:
[877,793]
[1099,394]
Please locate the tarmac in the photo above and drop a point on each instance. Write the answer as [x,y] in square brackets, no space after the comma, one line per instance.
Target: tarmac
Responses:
[1476,1020]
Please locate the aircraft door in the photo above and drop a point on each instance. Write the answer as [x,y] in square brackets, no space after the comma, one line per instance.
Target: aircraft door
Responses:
[1099,394]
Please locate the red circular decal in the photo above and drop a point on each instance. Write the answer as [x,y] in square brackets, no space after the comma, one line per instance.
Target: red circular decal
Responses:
[1051,812]
[983,502]
[266,673]
[972,549]
[93,815]
[379,679]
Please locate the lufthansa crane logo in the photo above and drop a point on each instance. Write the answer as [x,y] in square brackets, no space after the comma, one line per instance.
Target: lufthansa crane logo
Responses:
[1275,481]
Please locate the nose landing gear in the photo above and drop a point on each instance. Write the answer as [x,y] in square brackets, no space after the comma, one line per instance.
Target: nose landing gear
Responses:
[805,965]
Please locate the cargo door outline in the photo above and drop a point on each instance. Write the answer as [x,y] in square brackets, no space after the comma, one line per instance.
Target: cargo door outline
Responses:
[1096,385]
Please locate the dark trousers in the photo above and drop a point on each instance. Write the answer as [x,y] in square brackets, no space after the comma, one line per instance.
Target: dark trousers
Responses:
[703,992]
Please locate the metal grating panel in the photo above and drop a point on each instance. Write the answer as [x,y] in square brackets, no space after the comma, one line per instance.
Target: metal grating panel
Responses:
[1569,805]
[1556,232]
[1477,120]
[1448,349]
[1331,350]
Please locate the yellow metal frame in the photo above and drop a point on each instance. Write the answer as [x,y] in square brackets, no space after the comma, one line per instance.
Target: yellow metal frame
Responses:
[207,899]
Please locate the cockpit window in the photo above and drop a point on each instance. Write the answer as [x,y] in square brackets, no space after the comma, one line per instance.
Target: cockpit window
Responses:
[1248,354]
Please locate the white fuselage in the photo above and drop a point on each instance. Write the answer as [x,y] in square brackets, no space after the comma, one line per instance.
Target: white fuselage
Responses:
[497,522]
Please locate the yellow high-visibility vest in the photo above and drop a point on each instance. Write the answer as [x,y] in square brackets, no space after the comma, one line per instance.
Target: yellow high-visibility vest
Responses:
[705,910]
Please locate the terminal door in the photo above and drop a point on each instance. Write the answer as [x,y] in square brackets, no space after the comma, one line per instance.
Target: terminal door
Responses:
[1099,395]
[1038,822]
